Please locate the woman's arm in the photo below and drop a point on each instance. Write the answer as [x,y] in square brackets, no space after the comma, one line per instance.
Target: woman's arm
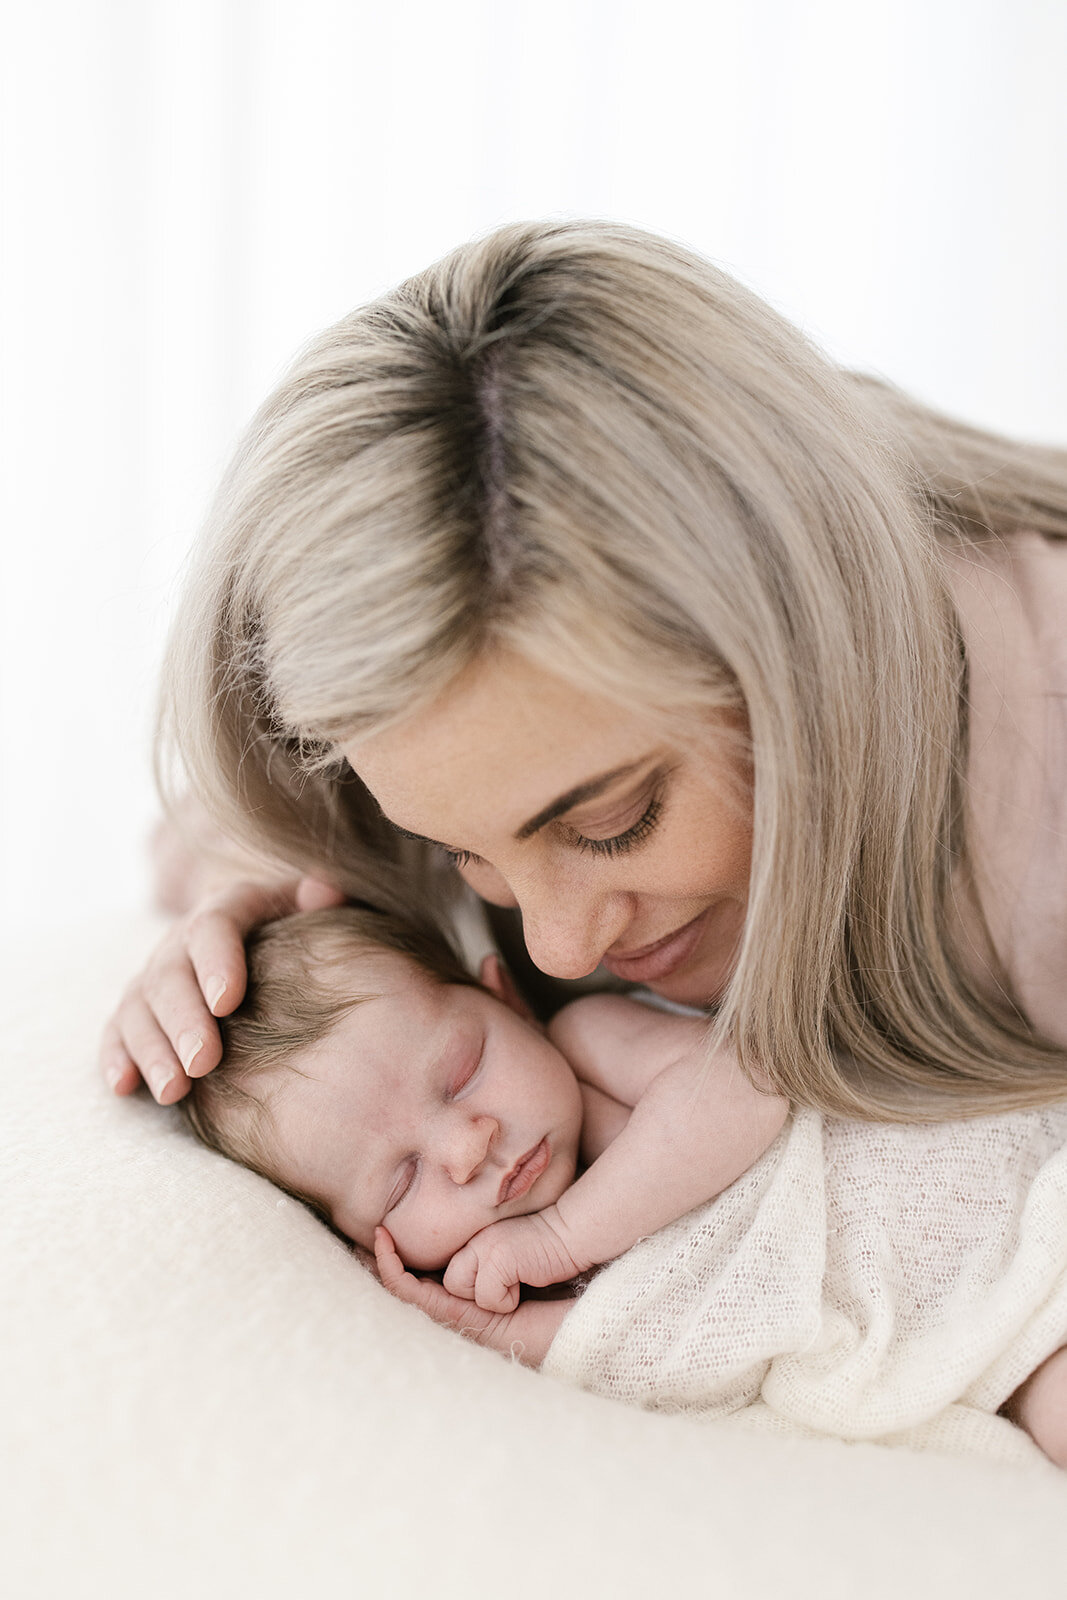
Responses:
[191,858]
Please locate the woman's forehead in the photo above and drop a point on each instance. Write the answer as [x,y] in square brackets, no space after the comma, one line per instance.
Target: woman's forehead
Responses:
[507,736]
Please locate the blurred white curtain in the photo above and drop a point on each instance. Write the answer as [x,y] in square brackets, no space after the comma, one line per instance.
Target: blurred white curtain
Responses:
[191,187]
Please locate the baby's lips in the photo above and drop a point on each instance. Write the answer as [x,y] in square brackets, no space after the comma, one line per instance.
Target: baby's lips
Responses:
[525,1173]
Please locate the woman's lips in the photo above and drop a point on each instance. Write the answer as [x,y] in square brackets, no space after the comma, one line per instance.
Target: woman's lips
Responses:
[525,1173]
[654,961]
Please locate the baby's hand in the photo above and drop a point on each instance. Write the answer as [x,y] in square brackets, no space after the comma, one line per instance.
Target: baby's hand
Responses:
[531,1250]
[524,1333]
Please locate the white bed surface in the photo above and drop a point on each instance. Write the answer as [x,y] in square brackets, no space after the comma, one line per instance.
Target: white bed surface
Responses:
[203,1394]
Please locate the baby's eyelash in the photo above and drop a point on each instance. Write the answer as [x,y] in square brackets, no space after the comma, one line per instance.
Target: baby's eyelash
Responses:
[458,858]
[467,1075]
[621,842]
[395,1199]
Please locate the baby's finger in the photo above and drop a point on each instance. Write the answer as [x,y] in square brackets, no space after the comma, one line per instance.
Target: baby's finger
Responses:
[424,1293]
[390,1267]
[145,1043]
[461,1273]
[493,1292]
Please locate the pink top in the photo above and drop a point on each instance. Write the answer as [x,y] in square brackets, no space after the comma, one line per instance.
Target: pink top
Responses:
[1012,599]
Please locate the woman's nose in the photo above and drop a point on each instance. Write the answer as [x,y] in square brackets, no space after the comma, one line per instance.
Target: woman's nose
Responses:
[469,1142]
[567,934]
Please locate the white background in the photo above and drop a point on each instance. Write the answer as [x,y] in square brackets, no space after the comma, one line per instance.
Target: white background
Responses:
[192,187]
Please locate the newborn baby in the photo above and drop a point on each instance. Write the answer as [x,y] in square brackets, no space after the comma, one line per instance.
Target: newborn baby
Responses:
[427,1117]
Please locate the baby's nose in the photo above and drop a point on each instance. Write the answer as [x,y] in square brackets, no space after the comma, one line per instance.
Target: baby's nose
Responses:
[469,1145]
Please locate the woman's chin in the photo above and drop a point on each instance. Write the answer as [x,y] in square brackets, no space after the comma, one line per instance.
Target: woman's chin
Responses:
[687,991]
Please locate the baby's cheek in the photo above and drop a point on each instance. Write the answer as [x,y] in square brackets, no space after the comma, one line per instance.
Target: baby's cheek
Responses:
[561,1173]
[428,1243]
[335,1217]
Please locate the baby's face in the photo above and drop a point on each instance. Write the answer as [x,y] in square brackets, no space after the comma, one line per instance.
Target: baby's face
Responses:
[433,1109]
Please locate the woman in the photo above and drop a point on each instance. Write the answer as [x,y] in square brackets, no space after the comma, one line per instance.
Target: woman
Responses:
[727,669]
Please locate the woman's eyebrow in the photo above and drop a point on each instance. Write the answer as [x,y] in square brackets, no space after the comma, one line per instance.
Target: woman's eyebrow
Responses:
[578,795]
[556,808]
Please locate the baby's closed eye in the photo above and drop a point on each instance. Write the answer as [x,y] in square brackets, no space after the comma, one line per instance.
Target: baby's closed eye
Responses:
[467,1072]
[403,1186]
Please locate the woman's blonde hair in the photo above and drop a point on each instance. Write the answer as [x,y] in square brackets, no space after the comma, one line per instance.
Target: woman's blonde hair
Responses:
[583,443]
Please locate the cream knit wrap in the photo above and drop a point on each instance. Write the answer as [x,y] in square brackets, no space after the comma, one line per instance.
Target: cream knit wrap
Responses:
[861,1280]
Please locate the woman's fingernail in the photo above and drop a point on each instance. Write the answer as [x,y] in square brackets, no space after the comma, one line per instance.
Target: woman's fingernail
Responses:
[215,988]
[189,1047]
[112,1076]
[161,1083]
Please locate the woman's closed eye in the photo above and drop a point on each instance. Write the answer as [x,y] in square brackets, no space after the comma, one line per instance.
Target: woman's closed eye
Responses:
[587,836]
[459,858]
[617,844]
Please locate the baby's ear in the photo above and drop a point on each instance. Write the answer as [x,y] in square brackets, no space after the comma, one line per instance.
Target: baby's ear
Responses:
[498,980]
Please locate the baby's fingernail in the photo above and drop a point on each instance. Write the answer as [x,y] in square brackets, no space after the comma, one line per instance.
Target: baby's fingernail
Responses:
[215,988]
[189,1047]
[112,1076]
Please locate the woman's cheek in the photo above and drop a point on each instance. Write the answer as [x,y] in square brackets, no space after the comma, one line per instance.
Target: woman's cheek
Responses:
[707,855]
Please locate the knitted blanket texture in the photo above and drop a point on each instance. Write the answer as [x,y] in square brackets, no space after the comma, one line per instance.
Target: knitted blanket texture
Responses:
[861,1280]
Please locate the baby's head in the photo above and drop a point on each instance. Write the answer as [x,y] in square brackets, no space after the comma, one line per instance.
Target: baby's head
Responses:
[368,1074]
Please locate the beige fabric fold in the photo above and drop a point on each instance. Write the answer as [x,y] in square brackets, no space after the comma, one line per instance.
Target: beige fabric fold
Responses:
[860,1281]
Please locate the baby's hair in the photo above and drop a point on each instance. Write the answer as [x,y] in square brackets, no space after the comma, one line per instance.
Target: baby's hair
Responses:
[299,987]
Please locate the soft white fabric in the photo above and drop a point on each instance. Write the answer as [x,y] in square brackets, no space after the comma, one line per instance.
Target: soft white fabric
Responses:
[865,1281]
[202,1394]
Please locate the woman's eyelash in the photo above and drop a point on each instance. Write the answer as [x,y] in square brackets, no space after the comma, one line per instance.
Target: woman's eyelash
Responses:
[621,842]
[616,846]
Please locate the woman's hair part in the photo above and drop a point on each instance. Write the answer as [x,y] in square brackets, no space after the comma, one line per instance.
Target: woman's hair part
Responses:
[583,443]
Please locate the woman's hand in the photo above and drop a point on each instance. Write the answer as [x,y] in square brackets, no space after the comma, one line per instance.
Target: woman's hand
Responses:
[164,1029]
[524,1333]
